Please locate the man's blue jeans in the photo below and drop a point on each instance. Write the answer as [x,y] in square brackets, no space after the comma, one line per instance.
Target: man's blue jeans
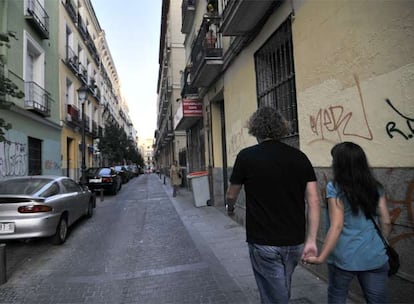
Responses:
[373,284]
[273,267]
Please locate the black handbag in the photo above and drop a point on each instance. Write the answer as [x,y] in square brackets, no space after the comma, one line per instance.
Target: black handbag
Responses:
[393,256]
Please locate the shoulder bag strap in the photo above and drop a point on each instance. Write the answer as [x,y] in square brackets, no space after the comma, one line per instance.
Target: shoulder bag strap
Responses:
[379,231]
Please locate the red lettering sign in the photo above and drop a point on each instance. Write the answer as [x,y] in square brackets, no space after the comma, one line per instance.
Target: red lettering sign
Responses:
[192,107]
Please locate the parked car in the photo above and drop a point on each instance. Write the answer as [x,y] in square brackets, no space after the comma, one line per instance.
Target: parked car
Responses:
[42,206]
[124,173]
[105,178]
[134,169]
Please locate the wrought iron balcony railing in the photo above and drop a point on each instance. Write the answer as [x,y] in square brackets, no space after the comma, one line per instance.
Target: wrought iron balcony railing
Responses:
[72,60]
[72,115]
[207,53]
[38,17]
[72,10]
[37,99]
[186,87]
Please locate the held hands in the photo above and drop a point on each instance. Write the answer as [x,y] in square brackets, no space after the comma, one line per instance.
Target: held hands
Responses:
[310,254]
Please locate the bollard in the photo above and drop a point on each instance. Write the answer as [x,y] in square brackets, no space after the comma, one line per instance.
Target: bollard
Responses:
[101,195]
[164,179]
[3,270]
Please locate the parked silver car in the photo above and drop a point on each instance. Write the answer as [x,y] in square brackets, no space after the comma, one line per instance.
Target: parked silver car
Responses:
[42,206]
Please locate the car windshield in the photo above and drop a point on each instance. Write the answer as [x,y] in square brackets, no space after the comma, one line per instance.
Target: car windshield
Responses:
[91,171]
[105,171]
[25,186]
[119,168]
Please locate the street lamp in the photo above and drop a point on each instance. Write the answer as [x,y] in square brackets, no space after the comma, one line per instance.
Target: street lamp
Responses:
[82,95]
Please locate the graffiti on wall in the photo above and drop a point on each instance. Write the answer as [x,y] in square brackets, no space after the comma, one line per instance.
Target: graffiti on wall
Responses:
[12,159]
[404,128]
[237,141]
[336,120]
[51,165]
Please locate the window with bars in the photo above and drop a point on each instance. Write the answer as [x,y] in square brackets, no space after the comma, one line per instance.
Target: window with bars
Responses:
[35,156]
[275,74]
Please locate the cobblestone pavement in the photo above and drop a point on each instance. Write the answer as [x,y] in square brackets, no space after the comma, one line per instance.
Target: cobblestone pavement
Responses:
[135,249]
[144,246]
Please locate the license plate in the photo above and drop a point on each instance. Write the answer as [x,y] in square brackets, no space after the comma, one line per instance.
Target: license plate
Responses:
[95,180]
[6,227]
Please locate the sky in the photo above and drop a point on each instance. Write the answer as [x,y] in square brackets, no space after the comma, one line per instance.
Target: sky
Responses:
[132,30]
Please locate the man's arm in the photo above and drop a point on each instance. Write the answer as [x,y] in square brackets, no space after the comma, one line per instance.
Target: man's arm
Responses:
[313,214]
[231,197]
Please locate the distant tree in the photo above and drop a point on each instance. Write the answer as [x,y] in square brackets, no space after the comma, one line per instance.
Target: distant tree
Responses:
[117,148]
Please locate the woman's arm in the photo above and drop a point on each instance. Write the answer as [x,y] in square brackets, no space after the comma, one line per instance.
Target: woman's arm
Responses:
[384,215]
[336,217]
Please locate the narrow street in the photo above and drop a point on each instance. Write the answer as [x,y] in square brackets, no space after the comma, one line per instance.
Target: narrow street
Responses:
[135,249]
[144,246]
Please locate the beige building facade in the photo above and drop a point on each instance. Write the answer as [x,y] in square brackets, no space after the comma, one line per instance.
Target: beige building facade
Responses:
[170,142]
[338,71]
[86,62]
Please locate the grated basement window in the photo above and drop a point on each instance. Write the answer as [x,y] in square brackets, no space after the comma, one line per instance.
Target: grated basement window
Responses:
[275,74]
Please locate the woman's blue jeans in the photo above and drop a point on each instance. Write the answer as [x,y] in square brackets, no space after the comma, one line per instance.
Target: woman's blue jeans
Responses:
[273,267]
[373,284]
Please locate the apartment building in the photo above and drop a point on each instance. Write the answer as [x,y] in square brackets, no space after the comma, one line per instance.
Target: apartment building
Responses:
[170,142]
[337,70]
[146,149]
[28,60]
[51,51]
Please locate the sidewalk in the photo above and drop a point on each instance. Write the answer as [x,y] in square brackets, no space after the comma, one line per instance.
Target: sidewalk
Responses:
[214,231]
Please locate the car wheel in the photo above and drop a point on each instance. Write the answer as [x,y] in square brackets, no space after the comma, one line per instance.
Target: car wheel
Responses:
[61,232]
[89,213]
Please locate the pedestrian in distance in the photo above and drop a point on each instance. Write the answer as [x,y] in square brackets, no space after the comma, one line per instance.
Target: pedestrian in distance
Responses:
[176,177]
[278,181]
[352,246]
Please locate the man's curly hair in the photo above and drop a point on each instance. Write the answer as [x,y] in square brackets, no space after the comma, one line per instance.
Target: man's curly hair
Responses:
[267,122]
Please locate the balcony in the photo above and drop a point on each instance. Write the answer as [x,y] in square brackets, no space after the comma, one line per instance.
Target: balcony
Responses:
[38,17]
[72,10]
[83,73]
[72,115]
[188,113]
[95,130]
[87,124]
[241,16]
[72,60]
[163,105]
[186,88]
[37,99]
[187,15]
[207,53]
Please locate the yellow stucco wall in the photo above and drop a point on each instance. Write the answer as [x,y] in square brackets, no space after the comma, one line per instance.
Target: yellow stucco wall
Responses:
[350,56]
[240,102]
[240,95]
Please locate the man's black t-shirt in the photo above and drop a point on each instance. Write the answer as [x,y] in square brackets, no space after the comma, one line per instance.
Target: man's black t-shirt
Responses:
[274,176]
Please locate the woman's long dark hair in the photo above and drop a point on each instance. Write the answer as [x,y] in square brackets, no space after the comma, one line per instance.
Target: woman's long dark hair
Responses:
[354,179]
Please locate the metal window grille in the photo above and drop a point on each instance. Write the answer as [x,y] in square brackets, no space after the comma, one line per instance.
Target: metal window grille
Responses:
[35,156]
[275,74]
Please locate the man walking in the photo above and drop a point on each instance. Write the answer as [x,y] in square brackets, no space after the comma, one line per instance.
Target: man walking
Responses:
[278,181]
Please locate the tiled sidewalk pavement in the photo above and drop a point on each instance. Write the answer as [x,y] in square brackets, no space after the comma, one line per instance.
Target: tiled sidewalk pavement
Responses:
[214,231]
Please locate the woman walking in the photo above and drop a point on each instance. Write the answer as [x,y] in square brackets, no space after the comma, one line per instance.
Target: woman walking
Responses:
[175,176]
[352,245]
